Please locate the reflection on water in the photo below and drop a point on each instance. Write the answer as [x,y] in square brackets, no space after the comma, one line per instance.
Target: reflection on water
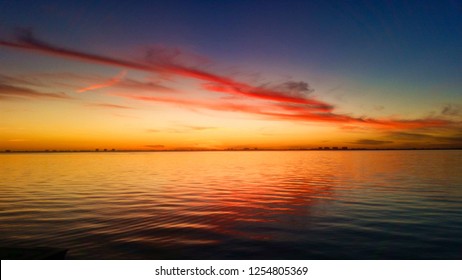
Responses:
[244,205]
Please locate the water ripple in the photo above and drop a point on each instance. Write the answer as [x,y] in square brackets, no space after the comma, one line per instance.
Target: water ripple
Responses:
[263,205]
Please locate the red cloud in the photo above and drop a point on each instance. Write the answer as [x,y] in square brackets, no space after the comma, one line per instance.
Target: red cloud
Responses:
[289,101]
[27,41]
[108,83]
[275,111]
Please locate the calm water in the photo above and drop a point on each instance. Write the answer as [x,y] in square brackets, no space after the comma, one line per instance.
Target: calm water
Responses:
[238,205]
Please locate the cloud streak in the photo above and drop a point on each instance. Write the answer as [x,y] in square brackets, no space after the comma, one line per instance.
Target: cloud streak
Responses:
[25,40]
[284,112]
[452,110]
[181,129]
[286,101]
[109,105]
[107,83]
[72,81]
[155,146]
[11,91]
[454,138]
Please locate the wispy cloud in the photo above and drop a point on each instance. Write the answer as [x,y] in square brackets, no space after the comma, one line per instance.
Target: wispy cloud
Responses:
[181,129]
[196,103]
[294,113]
[26,40]
[228,85]
[73,82]
[109,105]
[131,84]
[290,100]
[198,128]
[23,81]
[154,146]
[11,91]
[107,83]
[18,140]
[452,110]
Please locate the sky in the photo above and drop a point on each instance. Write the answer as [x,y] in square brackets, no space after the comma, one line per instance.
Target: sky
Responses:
[174,75]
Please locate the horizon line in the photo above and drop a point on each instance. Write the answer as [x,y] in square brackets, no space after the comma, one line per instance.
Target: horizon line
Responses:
[331,149]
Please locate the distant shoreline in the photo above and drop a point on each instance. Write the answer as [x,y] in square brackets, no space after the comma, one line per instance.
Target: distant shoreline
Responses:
[226,150]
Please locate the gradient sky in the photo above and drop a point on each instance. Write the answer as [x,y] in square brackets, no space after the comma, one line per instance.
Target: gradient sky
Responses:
[166,75]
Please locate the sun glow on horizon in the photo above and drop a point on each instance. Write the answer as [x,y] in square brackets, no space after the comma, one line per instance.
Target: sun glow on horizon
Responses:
[56,94]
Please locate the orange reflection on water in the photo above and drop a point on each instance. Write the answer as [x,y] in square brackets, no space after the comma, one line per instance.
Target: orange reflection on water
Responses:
[96,201]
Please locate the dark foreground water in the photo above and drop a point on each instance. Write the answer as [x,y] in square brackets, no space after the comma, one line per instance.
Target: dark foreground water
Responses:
[235,205]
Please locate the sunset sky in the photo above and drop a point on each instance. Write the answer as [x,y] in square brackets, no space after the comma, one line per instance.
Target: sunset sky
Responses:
[162,75]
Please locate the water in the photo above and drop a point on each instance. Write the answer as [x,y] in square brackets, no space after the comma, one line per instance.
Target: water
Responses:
[235,205]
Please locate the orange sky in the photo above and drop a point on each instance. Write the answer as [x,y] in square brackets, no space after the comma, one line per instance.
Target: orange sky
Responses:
[167,105]
[62,93]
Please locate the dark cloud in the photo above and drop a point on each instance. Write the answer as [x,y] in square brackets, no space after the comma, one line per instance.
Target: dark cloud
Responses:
[454,138]
[26,40]
[11,91]
[371,142]
[5,79]
[452,110]
[160,55]
[407,136]
[295,89]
